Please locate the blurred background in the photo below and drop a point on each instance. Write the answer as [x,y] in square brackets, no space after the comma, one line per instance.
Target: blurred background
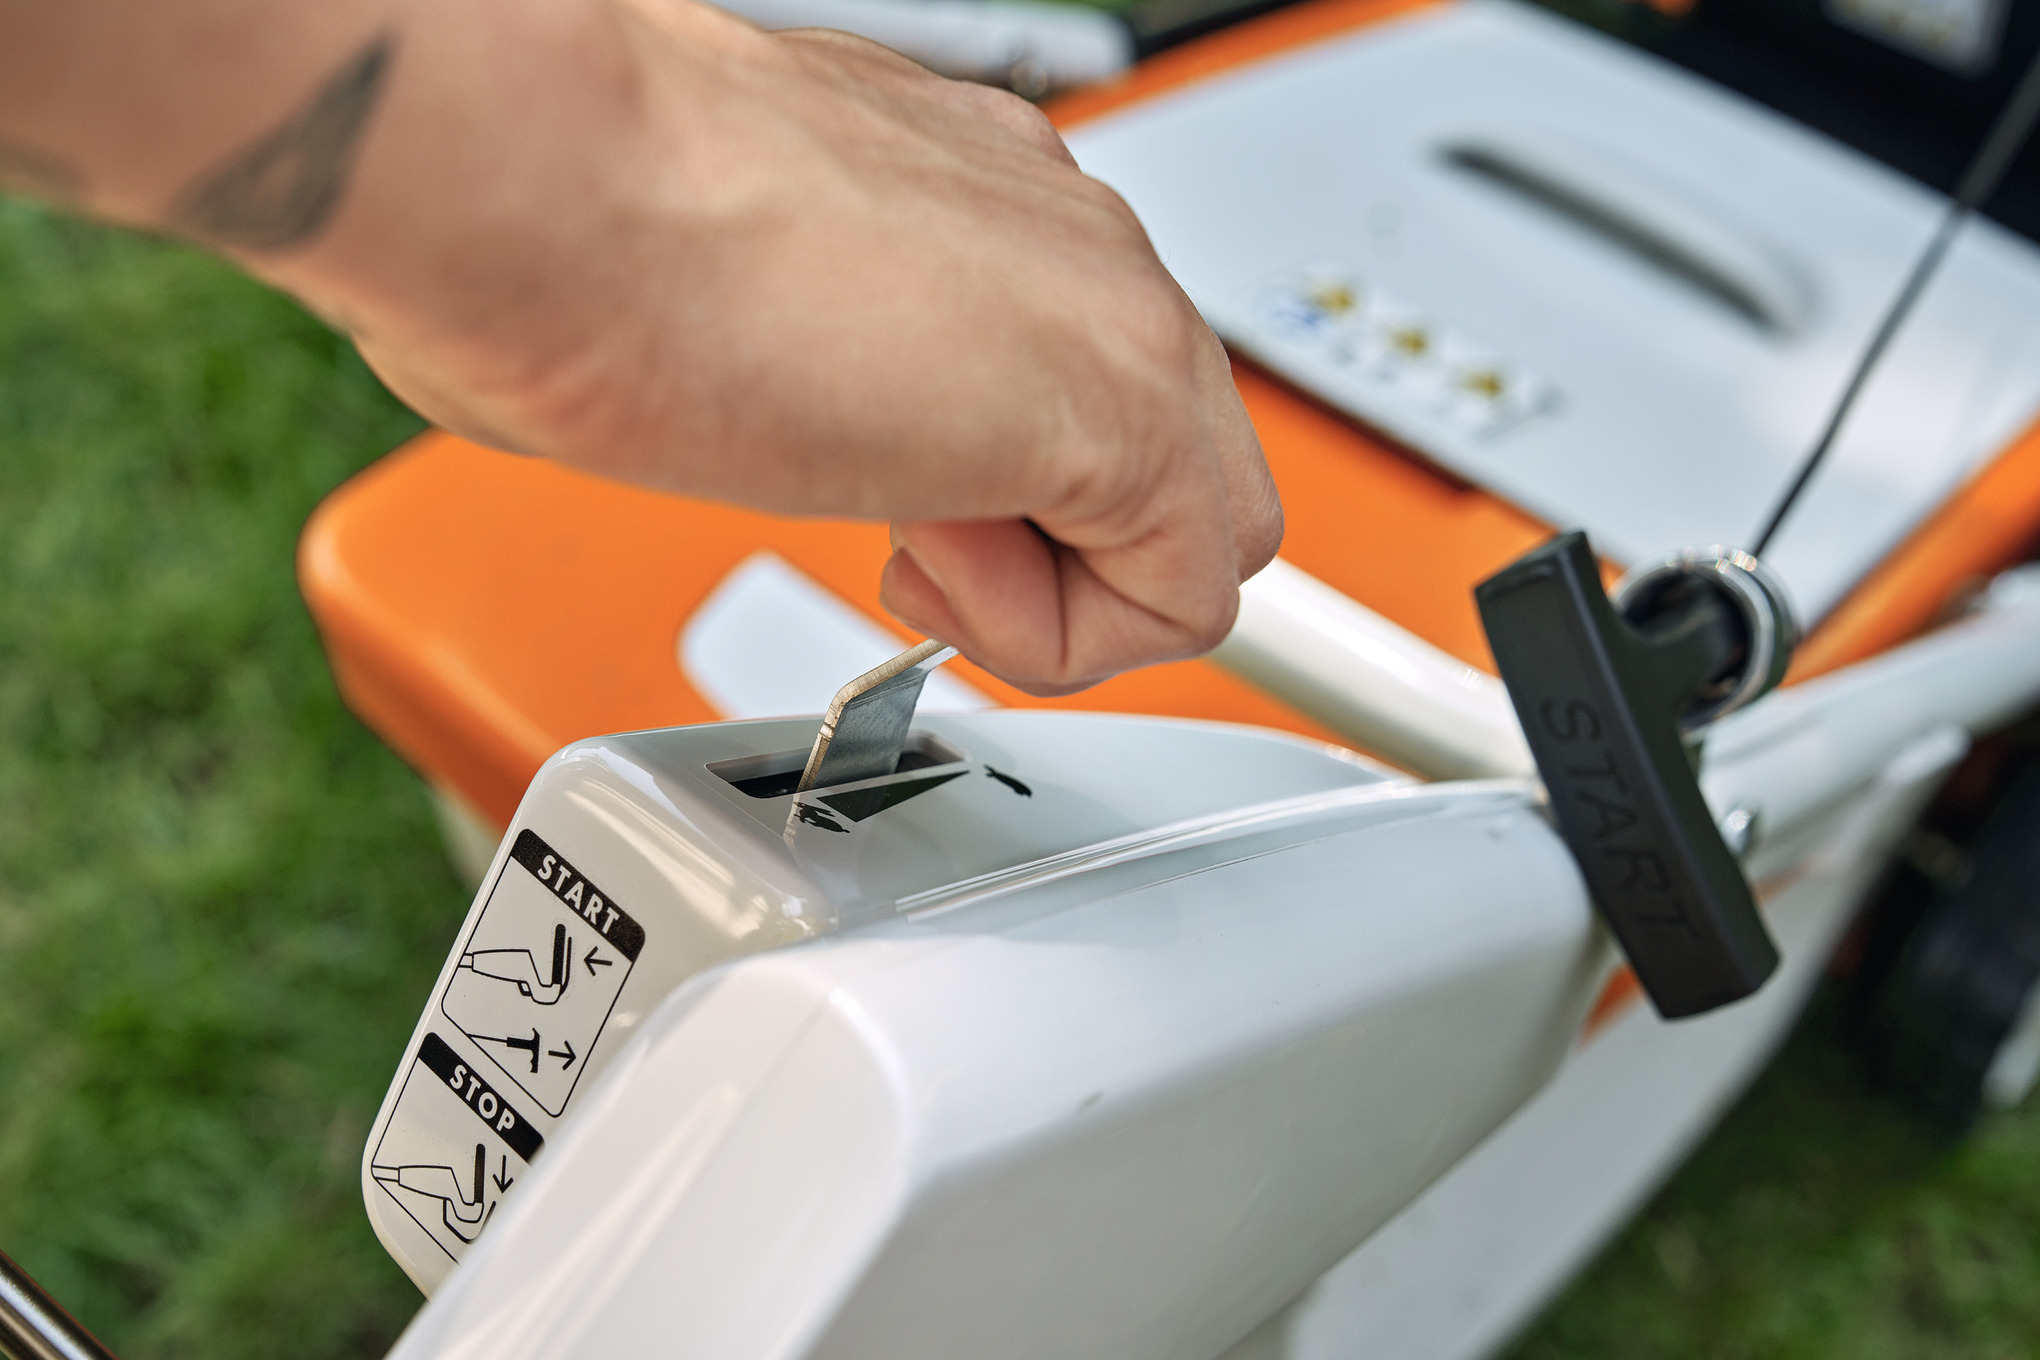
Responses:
[222,900]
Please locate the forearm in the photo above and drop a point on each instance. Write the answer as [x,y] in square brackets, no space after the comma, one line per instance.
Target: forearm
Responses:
[792,271]
[404,166]
[124,106]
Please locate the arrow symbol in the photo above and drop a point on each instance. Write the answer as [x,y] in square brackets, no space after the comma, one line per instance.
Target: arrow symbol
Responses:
[594,963]
[528,1045]
[503,1179]
[567,1058]
[1010,782]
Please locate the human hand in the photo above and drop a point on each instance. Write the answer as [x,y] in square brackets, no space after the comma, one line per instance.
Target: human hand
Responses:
[819,280]
[793,271]
[1079,490]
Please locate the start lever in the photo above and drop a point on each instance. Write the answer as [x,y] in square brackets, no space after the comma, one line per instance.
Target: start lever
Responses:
[1607,701]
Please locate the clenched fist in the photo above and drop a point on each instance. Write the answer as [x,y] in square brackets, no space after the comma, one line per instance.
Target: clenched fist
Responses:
[792,271]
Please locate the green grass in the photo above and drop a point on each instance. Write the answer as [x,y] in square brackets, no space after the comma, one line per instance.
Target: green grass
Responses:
[221,900]
[1820,1222]
[222,903]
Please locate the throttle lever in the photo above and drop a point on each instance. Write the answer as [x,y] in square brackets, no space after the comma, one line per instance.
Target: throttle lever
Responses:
[1606,705]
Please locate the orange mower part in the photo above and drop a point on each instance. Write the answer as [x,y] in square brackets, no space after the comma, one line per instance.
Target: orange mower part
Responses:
[483,610]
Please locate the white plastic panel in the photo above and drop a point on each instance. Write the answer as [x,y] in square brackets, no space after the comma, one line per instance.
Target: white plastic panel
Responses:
[1836,769]
[1114,1065]
[1656,407]
[1119,1116]
[633,864]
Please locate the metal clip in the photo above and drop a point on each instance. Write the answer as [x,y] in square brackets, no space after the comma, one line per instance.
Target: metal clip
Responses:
[865,729]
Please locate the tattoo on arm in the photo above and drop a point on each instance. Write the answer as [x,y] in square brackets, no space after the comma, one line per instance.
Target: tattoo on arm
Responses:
[26,170]
[281,190]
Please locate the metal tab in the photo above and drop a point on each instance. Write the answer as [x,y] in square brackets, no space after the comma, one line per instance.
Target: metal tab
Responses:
[865,729]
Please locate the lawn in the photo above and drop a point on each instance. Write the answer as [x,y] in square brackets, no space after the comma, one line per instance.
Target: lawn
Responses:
[222,902]
[1820,1222]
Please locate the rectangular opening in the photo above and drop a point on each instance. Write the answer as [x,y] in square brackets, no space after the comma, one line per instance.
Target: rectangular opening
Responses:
[778,774]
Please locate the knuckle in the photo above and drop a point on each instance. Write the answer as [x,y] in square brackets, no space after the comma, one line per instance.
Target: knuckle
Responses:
[1261,551]
[1033,124]
[1021,118]
[1170,334]
[1108,202]
[1263,536]
[1152,314]
[1214,623]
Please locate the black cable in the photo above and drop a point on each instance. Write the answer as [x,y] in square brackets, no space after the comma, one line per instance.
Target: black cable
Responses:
[1986,170]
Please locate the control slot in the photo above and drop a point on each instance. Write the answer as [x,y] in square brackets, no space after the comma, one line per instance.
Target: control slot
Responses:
[778,774]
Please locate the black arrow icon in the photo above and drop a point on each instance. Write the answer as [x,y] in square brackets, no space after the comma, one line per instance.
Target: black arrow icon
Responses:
[528,1045]
[1010,782]
[503,1179]
[567,1058]
[594,963]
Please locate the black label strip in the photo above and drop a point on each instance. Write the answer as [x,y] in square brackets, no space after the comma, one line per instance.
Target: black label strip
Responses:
[488,1106]
[578,895]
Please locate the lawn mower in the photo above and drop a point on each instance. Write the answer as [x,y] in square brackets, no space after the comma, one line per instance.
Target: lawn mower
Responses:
[1342,993]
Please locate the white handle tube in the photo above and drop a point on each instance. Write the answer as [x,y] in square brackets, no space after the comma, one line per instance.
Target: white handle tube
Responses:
[1793,755]
[1372,681]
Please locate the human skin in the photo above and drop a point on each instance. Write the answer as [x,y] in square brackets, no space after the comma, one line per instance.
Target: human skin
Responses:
[791,271]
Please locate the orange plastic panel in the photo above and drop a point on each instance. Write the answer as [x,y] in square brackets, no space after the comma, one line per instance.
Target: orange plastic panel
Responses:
[483,610]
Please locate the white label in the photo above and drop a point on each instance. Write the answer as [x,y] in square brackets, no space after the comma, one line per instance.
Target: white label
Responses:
[539,976]
[453,1147]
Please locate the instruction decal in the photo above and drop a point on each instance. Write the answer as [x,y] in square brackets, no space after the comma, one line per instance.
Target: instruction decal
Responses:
[540,974]
[453,1147]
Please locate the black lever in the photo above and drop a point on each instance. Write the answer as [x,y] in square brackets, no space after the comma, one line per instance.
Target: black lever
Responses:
[1606,703]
